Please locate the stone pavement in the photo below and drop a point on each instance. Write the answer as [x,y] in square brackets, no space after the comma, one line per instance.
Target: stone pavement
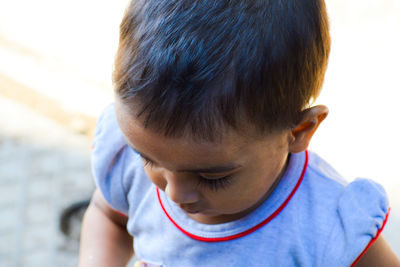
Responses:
[44,167]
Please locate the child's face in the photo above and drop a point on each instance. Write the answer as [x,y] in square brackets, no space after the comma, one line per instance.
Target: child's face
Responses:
[212,182]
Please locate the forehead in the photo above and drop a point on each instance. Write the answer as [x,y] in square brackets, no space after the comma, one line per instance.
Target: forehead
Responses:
[184,147]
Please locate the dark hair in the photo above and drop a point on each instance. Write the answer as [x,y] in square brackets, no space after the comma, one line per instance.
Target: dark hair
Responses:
[198,66]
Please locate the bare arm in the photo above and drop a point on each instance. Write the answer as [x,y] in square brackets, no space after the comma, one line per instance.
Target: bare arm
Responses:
[104,239]
[379,255]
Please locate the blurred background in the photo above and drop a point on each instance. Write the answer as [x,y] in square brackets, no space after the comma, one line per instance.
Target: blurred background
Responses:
[56,61]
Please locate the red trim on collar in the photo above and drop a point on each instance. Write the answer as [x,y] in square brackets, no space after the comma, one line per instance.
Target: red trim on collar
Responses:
[248,231]
[372,240]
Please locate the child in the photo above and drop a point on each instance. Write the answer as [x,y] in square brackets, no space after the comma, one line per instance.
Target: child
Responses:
[203,157]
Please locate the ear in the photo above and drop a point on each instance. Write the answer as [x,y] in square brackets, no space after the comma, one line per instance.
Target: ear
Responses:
[302,133]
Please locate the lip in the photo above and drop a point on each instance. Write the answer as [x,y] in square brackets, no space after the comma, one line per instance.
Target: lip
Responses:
[189,209]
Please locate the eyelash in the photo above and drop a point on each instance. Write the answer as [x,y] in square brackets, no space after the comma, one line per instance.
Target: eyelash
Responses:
[212,184]
[215,184]
[147,163]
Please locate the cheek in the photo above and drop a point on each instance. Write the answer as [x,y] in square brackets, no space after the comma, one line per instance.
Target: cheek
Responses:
[233,202]
[156,177]
[257,183]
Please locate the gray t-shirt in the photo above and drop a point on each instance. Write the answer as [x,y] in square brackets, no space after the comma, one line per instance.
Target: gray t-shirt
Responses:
[312,218]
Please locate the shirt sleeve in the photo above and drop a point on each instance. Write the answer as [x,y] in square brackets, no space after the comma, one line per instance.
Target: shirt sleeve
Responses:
[362,212]
[108,159]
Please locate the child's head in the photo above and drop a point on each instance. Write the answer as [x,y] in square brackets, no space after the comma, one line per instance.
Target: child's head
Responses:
[214,95]
[198,67]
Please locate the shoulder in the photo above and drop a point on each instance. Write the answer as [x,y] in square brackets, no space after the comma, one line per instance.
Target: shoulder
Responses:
[351,213]
[108,144]
[115,166]
[359,197]
[363,210]
[318,167]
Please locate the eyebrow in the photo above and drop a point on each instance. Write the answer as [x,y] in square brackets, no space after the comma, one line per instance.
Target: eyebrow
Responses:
[213,169]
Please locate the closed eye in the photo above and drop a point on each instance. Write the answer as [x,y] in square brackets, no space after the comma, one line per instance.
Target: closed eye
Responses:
[216,183]
[147,162]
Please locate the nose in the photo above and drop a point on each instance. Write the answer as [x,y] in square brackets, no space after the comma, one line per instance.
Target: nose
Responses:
[180,189]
